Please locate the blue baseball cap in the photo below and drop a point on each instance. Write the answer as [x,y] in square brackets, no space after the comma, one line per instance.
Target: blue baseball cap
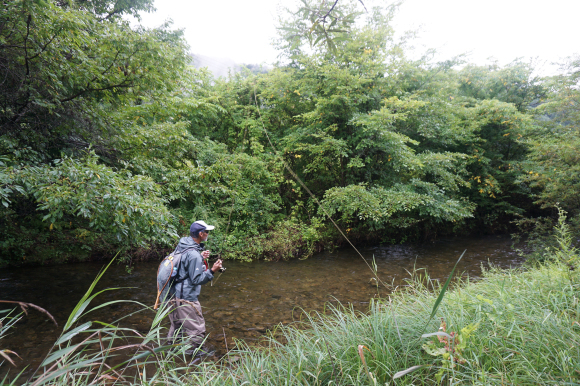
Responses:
[200,226]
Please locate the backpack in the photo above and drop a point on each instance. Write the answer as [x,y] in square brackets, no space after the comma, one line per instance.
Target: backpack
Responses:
[167,275]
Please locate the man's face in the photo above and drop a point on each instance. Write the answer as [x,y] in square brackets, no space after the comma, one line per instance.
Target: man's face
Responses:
[203,235]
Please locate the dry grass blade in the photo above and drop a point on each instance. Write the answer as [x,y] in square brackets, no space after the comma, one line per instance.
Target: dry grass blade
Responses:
[409,370]
[85,373]
[361,354]
[24,306]
[101,341]
[119,376]
[136,345]
[6,354]
[107,376]
[226,340]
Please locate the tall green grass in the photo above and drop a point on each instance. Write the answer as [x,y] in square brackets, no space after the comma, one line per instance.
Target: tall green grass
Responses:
[527,333]
[514,327]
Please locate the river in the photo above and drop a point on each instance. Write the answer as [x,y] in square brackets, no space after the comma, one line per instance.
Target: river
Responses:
[245,301]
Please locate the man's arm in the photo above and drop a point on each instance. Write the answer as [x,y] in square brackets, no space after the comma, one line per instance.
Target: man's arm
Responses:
[197,272]
[216,266]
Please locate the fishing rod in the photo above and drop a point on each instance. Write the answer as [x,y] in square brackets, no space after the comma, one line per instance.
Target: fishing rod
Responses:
[219,255]
[310,193]
[222,269]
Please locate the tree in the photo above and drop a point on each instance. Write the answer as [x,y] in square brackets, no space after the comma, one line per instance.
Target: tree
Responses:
[65,68]
[69,68]
[514,83]
[553,166]
[334,114]
[316,22]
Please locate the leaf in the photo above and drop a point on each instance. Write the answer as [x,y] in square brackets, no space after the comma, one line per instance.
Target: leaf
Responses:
[317,40]
[444,289]
[58,354]
[66,369]
[438,333]
[433,350]
[83,303]
[115,301]
[106,324]
[74,332]
[331,45]
[5,353]
[313,26]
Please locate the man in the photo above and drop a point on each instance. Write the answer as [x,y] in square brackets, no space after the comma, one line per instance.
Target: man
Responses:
[186,317]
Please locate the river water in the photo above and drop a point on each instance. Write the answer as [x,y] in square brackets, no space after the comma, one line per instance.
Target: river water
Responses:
[245,301]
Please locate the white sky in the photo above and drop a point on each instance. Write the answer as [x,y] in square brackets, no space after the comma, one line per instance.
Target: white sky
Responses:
[242,30]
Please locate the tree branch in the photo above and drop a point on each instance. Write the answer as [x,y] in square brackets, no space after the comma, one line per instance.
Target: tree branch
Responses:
[45,46]
[323,18]
[28,21]
[119,85]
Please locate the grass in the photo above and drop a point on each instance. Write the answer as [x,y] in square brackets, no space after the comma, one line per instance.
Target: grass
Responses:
[527,333]
[515,327]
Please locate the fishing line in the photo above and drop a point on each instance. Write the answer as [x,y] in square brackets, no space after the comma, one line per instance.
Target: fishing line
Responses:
[225,237]
[230,215]
[310,193]
[227,226]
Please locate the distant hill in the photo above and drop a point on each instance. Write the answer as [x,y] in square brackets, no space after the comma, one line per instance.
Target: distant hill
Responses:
[218,66]
[223,66]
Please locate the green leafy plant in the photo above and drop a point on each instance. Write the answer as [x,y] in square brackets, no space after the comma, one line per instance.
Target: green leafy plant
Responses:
[450,346]
[565,252]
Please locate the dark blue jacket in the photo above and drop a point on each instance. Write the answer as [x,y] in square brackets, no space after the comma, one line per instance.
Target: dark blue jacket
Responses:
[192,271]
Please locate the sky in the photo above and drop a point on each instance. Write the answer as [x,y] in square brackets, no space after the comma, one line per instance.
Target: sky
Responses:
[242,30]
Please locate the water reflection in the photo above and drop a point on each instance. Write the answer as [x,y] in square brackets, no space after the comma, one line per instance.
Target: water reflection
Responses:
[247,300]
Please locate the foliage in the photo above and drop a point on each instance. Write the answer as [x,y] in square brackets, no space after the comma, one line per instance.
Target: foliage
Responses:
[67,68]
[287,239]
[110,140]
[552,167]
[117,204]
[566,252]
[514,83]
[454,343]
[550,170]
[552,240]
[317,22]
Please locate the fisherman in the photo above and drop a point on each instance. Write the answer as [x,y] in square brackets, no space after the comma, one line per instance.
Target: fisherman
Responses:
[186,318]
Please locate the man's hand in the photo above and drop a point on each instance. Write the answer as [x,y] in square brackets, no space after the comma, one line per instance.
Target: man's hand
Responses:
[216,266]
[205,254]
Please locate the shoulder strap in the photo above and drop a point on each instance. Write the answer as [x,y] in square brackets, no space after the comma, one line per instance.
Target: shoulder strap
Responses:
[179,279]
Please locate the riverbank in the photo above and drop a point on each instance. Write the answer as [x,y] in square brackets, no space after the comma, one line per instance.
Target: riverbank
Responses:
[511,327]
[285,241]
